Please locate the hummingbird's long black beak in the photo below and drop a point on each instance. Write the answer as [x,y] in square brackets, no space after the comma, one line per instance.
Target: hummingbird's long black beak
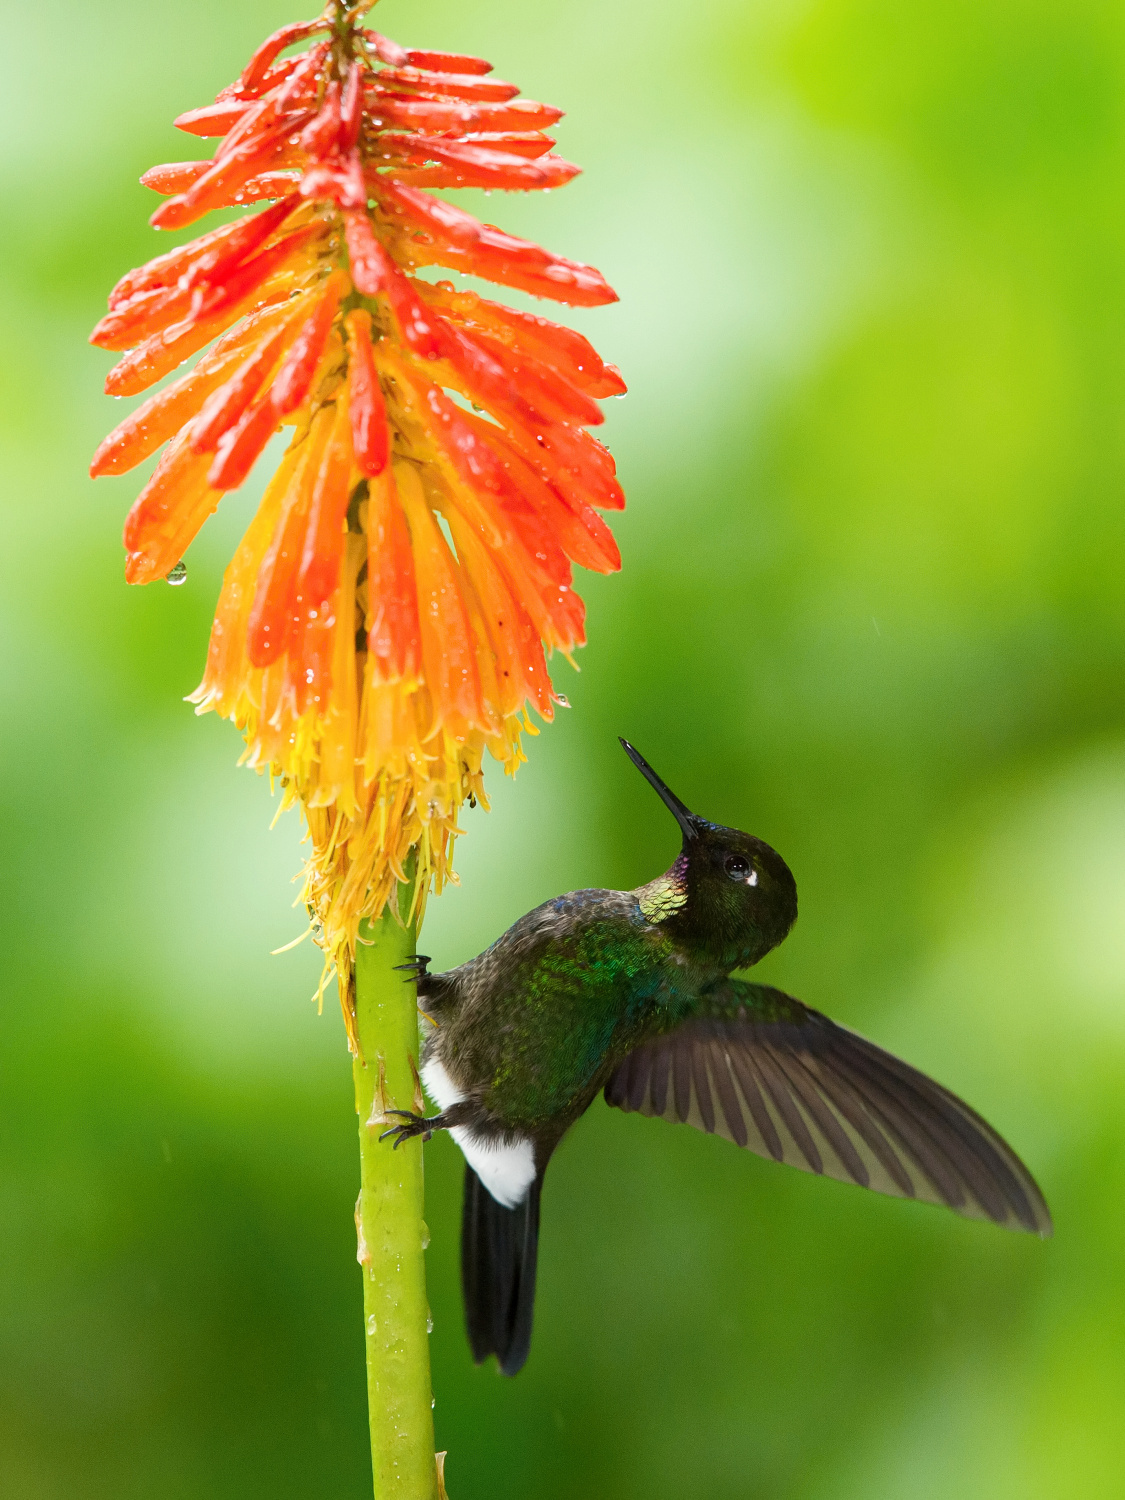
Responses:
[683,816]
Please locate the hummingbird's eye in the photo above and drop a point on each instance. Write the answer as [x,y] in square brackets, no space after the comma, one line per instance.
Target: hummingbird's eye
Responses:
[736,866]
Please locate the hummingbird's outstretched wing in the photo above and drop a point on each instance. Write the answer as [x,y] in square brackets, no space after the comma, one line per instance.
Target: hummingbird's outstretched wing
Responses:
[768,1073]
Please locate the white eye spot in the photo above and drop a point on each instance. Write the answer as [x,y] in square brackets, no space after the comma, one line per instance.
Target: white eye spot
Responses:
[752,878]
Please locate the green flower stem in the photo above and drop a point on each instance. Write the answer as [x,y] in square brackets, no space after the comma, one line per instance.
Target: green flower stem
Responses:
[391,1232]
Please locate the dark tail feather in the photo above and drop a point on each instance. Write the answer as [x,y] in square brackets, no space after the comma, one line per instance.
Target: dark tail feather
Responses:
[499,1248]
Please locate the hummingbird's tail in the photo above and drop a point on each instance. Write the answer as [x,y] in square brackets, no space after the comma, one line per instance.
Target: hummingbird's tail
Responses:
[499,1249]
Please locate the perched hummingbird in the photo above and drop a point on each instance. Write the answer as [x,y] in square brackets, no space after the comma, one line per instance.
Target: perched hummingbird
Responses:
[630,992]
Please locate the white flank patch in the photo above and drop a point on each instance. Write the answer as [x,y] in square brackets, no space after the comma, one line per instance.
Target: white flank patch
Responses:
[507,1170]
[440,1087]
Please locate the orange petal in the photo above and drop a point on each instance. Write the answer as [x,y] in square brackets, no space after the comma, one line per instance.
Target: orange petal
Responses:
[519,668]
[162,415]
[580,531]
[394,639]
[272,612]
[256,69]
[227,404]
[295,376]
[166,270]
[224,677]
[448,657]
[224,176]
[240,447]
[167,514]
[445,85]
[326,533]
[370,436]
[160,355]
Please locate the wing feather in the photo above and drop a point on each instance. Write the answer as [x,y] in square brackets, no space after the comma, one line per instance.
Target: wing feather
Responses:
[727,1091]
[767,1073]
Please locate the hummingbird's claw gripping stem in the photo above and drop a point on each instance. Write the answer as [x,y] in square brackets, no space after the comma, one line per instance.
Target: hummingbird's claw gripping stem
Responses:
[412,1125]
[414,968]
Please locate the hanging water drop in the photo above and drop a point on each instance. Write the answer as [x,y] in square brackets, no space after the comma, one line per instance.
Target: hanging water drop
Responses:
[562,699]
[177,575]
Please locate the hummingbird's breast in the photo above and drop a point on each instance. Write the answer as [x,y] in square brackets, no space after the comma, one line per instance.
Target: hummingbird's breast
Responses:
[545,1014]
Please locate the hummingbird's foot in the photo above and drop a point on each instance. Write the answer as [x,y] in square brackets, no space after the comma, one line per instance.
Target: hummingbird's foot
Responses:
[411,1126]
[415,968]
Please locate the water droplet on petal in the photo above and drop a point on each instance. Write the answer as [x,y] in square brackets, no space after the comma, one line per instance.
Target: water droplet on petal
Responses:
[563,699]
[177,575]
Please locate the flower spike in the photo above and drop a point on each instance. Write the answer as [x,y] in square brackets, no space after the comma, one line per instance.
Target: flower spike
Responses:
[389,612]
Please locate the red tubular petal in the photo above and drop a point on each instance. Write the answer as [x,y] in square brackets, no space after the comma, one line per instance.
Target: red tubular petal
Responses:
[276,76]
[394,638]
[224,177]
[540,389]
[561,348]
[455,238]
[226,405]
[166,270]
[175,176]
[351,108]
[271,615]
[141,317]
[370,263]
[612,383]
[447,85]
[240,447]
[161,353]
[452,118]
[319,571]
[258,66]
[573,461]
[216,261]
[289,80]
[245,279]
[447,62]
[483,377]
[178,468]
[386,50]
[370,435]
[212,119]
[339,182]
[473,460]
[476,166]
[417,324]
[452,225]
[268,113]
[158,419]
[522,143]
[581,532]
[295,376]
[321,136]
[258,189]
[257,119]
[539,542]
[582,455]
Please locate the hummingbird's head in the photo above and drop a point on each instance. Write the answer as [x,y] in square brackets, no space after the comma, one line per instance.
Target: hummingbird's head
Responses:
[728,892]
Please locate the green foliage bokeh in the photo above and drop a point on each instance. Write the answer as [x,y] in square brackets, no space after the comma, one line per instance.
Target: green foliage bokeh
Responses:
[871,259]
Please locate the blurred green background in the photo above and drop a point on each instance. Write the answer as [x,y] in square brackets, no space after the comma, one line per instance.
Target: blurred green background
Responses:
[871,259]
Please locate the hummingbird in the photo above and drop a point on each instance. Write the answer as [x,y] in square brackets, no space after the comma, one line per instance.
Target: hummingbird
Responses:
[633,993]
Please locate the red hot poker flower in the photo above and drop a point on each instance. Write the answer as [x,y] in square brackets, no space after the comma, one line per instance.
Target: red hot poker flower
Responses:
[386,616]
